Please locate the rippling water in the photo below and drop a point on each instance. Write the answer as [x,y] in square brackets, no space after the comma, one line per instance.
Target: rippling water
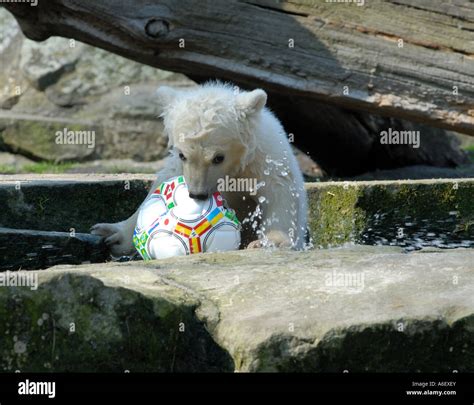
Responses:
[417,233]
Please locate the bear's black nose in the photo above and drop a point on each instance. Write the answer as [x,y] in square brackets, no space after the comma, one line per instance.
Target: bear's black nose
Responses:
[198,196]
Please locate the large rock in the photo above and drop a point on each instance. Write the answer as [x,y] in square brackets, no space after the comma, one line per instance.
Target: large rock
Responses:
[13,163]
[61,84]
[44,64]
[38,138]
[355,309]
[11,80]
[77,324]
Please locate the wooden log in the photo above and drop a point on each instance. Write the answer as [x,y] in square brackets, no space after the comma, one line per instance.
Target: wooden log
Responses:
[403,58]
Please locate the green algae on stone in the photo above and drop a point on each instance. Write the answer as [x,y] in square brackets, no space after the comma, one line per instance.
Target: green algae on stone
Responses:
[62,206]
[404,210]
[38,138]
[394,212]
[335,217]
[378,212]
[74,323]
[183,314]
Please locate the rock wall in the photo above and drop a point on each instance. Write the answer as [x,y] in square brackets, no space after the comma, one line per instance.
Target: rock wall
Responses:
[46,220]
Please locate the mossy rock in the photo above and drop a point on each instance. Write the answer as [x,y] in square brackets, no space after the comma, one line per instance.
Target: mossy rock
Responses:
[249,311]
[73,323]
[334,215]
[402,213]
[39,139]
[70,205]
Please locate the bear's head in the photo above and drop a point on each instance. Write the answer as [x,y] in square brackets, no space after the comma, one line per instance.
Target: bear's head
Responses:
[212,131]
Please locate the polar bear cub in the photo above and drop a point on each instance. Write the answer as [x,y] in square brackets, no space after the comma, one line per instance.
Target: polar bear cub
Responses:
[222,138]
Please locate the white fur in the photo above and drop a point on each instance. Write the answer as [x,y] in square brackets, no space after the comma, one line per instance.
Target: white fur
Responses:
[198,121]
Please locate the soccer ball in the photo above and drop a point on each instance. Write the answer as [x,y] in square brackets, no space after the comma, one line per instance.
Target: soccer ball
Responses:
[170,223]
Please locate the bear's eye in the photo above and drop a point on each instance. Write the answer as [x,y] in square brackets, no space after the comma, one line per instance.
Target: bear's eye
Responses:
[218,159]
[181,156]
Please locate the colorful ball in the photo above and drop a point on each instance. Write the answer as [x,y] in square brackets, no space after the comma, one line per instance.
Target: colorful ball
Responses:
[170,223]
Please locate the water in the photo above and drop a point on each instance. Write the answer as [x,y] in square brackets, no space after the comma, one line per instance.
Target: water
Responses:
[418,233]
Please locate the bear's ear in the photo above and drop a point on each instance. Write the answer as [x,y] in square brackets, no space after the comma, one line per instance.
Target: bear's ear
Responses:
[251,102]
[165,96]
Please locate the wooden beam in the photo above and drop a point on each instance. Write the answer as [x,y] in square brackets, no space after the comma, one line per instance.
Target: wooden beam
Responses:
[402,58]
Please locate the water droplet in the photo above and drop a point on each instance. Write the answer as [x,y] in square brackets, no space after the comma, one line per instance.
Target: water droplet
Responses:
[19,347]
